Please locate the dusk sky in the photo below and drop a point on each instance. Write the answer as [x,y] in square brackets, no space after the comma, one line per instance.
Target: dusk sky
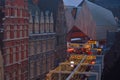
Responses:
[72,2]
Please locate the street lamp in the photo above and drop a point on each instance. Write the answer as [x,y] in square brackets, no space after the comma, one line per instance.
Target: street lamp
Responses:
[71,63]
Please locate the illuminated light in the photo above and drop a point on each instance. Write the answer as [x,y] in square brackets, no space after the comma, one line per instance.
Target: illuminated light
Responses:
[71,65]
[99,49]
[87,46]
[70,50]
[72,62]
[93,62]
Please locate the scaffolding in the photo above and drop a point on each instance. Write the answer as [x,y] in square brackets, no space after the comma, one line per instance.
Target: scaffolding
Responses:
[76,69]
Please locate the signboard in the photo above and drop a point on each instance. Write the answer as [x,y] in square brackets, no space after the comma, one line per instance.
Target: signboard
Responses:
[74,45]
[91,42]
[81,56]
[76,56]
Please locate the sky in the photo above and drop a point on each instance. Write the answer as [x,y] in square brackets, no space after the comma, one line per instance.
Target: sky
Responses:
[72,2]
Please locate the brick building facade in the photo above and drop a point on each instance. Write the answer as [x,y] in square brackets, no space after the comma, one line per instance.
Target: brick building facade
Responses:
[47,45]
[41,43]
[15,41]
[1,66]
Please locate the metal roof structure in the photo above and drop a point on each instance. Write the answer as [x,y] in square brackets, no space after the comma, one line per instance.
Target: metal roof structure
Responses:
[74,3]
[91,19]
[77,68]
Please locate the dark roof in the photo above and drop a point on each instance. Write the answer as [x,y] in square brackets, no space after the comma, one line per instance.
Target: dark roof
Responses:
[45,5]
[33,8]
[76,32]
[106,3]
[48,5]
[113,5]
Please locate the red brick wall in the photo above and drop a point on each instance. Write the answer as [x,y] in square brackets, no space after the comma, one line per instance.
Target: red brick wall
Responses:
[16,47]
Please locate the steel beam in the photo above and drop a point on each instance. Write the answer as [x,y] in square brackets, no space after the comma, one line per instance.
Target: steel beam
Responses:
[72,73]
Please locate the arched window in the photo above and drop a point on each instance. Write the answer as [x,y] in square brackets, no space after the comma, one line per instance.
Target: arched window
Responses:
[14,75]
[31,69]
[44,46]
[20,12]
[7,76]
[8,32]
[31,48]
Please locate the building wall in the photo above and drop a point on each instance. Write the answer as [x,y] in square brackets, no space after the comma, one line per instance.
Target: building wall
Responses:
[41,43]
[16,40]
[1,67]
[1,39]
[46,49]
[61,32]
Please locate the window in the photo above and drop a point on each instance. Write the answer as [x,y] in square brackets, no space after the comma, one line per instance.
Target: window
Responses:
[36,28]
[53,45]
[8,32]
[15,12]
[30,20]
[42,28]
[25,54]
[21,13]
[21,31]
[48,63]
[31,70]
[12,12]
[7,76]
[14,75]
[18,13]
[57,40]
[19,74]
[44,46]
[47,27]
[19,52]
[44,64]
[31,48]
[15,34]
[36,18]
[52,60]
[7,56]
[25,51]
[8,11]
[48,47]
[14,54]
[51,27]
[38,47]
[51,23]
[38,68]
[30,28]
